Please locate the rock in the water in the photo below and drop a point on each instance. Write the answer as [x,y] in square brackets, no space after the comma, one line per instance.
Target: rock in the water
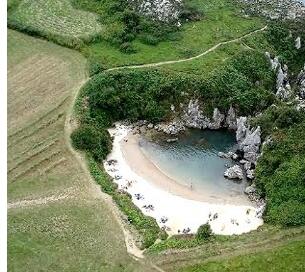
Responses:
[231,119]
[234,172]
[217,120]
[223,155]
[247,165]
[171,140]
[250,174]
[250,190]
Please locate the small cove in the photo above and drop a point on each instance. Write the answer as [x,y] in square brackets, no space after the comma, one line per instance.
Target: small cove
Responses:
[193,161]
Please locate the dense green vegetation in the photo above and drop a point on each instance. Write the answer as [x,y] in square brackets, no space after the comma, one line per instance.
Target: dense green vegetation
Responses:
[125,23]
[280,171]
[282,259]
[220,22]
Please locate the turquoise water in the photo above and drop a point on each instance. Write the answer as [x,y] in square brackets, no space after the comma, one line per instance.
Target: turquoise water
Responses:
[193,161]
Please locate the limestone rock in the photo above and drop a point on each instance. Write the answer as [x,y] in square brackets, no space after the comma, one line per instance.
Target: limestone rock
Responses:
[241,128]
[250,174]
[301,83]
[172,140]
[171,128]
[193,117]
[217,120]
[231,119]
[160,10]
[250,190]
[298,43]
[234,172]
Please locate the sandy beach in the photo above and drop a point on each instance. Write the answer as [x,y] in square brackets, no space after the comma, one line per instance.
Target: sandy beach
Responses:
[174,206]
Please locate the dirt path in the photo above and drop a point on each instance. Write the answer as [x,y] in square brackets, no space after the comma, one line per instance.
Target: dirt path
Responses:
[70,193]
[94,188]
[188,59]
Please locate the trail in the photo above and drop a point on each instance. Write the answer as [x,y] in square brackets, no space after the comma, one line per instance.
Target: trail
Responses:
[41,201]
[187,59]
[94,188]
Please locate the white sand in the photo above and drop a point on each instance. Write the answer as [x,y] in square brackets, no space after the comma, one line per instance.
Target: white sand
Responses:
[183,208]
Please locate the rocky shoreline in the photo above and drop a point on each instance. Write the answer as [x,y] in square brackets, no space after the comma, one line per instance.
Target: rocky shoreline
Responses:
[248,139]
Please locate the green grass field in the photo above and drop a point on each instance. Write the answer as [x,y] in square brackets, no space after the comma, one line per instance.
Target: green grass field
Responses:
[57,220]
[288,258]
[56,20]
[221,22]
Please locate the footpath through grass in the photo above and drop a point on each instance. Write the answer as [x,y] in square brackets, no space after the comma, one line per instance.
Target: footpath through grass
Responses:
[221,22]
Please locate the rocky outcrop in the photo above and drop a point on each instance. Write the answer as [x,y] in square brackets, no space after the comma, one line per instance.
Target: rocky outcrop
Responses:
[193,117]
[234,172]
[273,61]
[161,10]
[249,140]
[231,119]
[172,128]
[217,120]
[301,83]
[275,9]
[298,43]
[283,88]
[241,128]
[282,84]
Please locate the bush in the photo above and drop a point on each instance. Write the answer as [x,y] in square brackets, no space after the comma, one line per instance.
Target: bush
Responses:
[95,68]
[96,141]
[204,232]
[127,48]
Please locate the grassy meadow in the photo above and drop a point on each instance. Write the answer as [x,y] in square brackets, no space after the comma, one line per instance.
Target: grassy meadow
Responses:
[57,220]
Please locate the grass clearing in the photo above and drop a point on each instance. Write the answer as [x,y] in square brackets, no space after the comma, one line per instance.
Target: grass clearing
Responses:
[74,233]
[221,22]
[55,20]
[282,259]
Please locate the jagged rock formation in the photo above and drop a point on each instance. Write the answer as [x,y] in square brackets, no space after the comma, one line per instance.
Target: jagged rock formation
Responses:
[283,88]
[193,117]
[275,9]
[234,172]
[161,10]
[231,119]
[172,128]
[298,43]
[301,83]
[217,120]
[249,140]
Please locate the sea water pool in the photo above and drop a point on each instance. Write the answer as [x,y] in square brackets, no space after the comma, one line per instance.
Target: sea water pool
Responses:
[193,161]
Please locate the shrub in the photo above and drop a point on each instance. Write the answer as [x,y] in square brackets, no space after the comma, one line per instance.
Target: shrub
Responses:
[127,48]
[204,232]
[96,141]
